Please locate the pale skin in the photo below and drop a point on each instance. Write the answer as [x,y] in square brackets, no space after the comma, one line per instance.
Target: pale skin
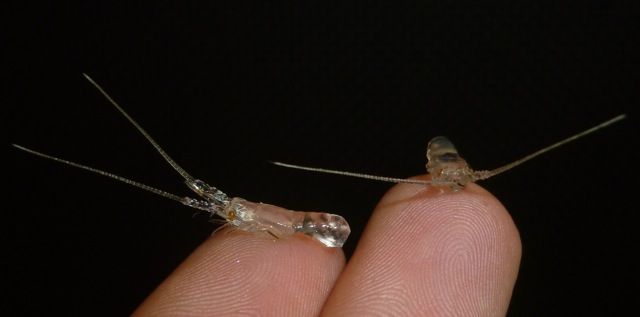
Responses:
[423,253]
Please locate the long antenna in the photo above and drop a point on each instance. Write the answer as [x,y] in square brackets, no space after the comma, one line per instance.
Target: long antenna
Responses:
[164,154]
[473,176]
[486,174]
[107,174]
[351,174]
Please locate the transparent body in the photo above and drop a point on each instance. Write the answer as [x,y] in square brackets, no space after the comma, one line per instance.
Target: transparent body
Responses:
[328,229]
[446,166]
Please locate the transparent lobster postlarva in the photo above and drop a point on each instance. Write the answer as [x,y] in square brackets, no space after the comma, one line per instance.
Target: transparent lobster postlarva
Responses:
[447,168]
[445,165]
[329,229]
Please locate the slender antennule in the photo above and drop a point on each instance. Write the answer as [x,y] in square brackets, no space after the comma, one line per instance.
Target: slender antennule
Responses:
[454,174]
[358,175]
[480,175]
[184,200]
[166,156]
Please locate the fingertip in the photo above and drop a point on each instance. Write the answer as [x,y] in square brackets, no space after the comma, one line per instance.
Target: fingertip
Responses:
[235,272]
[431,251]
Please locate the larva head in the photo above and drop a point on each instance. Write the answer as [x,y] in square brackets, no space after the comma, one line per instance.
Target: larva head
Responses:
[239,212]
[207,191]
[444,164]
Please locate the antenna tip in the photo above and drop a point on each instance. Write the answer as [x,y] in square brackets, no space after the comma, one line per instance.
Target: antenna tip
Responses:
[615,119]
[22,148]
[88,78]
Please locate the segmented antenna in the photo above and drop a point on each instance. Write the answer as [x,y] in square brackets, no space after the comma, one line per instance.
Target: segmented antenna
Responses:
[486,174]
[351,174]
[164,154]
[103,173]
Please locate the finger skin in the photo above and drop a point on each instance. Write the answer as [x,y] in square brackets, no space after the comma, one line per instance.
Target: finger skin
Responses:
[431,253]
[248,274]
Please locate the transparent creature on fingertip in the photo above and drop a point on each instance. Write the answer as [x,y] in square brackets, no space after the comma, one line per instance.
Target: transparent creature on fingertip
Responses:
[447,168]
[329,229]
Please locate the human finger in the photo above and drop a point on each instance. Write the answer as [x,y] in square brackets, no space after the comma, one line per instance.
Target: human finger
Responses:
[240,273]
[431,253]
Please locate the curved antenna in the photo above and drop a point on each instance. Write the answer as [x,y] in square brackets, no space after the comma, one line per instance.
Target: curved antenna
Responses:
[480,175]
[358,175]
[164,154]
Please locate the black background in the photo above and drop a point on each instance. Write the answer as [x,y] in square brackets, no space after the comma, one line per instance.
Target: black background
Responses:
[225,87]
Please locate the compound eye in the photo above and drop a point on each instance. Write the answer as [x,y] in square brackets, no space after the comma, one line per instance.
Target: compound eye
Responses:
[441,154]
[231,215]
[441,149]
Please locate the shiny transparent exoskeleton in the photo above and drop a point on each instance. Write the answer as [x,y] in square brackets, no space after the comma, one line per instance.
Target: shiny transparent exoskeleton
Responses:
[447,168]
[329,229]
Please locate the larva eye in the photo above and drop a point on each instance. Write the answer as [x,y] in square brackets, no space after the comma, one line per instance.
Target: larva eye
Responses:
[442,150]
[441,153]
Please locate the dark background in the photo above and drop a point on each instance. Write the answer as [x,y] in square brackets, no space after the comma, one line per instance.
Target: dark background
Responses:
[225,87]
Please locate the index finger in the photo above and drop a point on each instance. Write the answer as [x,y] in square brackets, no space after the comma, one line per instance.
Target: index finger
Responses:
[427,252]
[240,273]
